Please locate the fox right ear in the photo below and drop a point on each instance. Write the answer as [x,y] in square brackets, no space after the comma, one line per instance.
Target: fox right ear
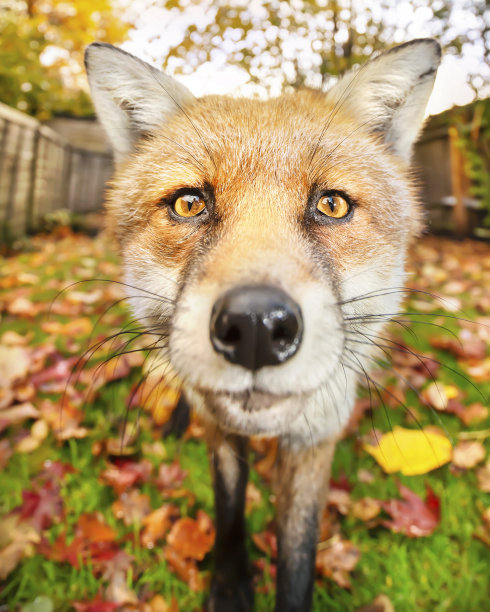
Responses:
[130,96]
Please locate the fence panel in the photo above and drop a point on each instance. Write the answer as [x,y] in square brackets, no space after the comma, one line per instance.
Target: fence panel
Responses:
[41,172]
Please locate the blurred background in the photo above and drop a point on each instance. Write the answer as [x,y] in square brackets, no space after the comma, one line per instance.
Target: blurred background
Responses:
[55,160]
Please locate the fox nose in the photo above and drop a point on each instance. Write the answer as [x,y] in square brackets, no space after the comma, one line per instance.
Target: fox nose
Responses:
[256,326]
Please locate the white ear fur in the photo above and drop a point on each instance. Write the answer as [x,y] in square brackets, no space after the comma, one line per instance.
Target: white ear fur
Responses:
[130,96]
[391,91]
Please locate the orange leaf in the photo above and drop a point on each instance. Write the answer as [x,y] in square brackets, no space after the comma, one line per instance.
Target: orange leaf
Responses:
[192,538]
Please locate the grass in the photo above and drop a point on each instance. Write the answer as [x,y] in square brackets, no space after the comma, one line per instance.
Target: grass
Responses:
[447,571]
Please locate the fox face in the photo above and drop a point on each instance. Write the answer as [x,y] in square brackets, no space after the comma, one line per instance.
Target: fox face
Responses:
[264,243]
[307,196]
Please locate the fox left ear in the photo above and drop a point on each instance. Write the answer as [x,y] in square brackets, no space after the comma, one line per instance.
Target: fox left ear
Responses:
[390,93]
[131,97]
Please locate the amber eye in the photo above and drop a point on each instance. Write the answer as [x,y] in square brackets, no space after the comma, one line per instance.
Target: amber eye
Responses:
[333,205]
[189,205]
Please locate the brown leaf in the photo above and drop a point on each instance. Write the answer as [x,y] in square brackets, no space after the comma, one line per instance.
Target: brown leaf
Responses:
[335,559]
[380,604]
[170,475]
[157,524]
[366,508]
[131,507]
[192,539]
[186,569]
[92,528]
[266,541]
[483,477]
[468,453]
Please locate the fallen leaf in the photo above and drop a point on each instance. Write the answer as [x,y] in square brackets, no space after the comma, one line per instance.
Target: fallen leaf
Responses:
[411,515]
[22,537]
[92,528]
[157,524]
[125,474]
[192,539]
[366,508]
[468,453]
[411,451]
[335,559]
[186,569]
[483,477]
[381,603]
[170,475]
[19,413]
[14,364]
[266,541]
[131,507]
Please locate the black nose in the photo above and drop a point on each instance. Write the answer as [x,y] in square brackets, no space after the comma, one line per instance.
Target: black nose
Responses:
[256,326]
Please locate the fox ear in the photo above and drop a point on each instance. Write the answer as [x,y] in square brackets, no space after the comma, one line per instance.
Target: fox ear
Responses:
[130,96]
[390,92]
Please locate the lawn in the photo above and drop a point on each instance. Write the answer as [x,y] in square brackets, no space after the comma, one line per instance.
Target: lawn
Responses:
[101,509]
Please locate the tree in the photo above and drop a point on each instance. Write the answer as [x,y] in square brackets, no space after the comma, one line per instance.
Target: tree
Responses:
[41,56]
[305,42]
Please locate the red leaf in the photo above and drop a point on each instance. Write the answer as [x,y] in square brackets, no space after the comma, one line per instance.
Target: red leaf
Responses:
[125,474]
[411,515]
[170,476]
[41,508]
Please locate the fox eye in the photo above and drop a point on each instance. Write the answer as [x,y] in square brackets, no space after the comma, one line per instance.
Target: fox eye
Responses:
[189,205]
[333,205]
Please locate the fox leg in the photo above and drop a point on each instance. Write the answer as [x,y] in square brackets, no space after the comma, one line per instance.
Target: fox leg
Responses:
[231,589]
[301,489]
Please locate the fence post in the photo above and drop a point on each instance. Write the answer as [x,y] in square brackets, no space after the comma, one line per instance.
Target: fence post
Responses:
[460,214]
[30,225]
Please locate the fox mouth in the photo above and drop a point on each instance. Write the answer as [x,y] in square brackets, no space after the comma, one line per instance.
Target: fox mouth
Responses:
[255,412]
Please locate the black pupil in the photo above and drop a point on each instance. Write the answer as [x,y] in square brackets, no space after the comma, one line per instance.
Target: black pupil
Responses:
[331,203]
[190,200]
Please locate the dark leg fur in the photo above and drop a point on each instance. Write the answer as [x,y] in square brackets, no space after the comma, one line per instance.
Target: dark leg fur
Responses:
[231,589]
[180,419]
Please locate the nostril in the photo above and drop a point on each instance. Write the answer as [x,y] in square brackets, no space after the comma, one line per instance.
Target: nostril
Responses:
[281,334]
[233,335]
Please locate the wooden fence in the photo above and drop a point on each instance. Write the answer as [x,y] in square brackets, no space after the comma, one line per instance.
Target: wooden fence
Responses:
[40,172]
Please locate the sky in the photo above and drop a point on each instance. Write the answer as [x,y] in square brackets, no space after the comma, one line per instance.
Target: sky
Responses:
[157,29]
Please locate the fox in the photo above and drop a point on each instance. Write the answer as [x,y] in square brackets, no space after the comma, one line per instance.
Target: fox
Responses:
[263,238]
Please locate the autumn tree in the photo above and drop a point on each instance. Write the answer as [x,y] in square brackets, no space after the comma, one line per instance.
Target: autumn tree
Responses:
[41,55]
[305,42]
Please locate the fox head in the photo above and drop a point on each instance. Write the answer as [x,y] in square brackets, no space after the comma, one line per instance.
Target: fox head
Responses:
[265,240]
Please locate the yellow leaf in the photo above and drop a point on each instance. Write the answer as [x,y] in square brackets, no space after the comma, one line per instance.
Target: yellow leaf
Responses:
[411,451]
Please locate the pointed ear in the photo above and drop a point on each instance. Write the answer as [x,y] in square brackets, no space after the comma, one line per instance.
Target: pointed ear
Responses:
[389,94]
[130,96]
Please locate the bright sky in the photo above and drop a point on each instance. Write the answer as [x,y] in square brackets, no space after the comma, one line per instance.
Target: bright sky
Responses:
[158,29]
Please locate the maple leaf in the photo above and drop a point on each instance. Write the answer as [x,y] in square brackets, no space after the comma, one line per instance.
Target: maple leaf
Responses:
[411,515]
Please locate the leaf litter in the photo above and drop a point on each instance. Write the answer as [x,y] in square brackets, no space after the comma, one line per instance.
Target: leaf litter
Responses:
[46,387]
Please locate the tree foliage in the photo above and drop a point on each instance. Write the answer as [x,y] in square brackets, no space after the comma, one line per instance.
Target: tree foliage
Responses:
[41,55]
[304,42]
